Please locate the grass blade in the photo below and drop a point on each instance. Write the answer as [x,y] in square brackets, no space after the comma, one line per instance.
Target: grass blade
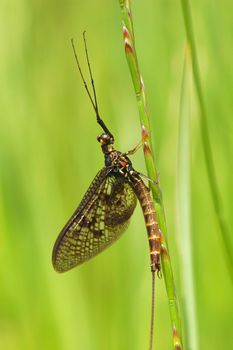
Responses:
[184,209]
[208,153]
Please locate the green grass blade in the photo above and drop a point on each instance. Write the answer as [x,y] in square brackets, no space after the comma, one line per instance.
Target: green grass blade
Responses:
[184,209]
[208,153]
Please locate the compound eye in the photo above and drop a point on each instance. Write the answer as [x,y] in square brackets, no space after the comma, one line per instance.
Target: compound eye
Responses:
[103,138]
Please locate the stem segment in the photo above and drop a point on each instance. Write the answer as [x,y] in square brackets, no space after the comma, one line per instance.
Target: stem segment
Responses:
[129,42]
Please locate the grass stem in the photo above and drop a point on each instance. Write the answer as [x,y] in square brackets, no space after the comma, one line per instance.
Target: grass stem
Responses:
[131,56]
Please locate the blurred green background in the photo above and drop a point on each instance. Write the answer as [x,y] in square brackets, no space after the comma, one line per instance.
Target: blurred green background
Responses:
[49,155]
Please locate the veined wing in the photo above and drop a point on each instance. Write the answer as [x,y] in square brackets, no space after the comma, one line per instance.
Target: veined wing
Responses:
[102,216]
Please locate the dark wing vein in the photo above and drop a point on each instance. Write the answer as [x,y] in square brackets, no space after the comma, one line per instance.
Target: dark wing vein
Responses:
[102,216]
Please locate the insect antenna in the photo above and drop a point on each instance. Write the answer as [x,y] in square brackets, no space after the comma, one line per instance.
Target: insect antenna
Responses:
[93,102]
[81,73]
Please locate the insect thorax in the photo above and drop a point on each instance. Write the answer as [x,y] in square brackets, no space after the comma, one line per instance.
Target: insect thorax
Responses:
[119,162]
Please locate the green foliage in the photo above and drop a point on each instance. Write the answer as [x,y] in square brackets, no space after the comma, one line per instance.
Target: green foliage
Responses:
[49,155]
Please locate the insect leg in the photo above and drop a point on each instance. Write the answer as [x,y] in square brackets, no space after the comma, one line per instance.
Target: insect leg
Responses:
[139,145]
[154,182]
[134,150]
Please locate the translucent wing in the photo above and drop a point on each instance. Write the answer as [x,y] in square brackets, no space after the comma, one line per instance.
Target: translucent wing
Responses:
[102,216]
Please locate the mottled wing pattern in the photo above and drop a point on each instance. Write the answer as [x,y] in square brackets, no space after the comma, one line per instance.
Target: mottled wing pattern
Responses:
[102,216]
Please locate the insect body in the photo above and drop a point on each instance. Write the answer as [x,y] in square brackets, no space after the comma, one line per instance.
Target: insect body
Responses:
[104,212]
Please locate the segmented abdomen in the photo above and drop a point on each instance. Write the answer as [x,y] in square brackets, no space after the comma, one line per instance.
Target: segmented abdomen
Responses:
[153,230]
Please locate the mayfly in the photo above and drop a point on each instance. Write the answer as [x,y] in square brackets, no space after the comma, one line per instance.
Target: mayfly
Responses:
[104,212]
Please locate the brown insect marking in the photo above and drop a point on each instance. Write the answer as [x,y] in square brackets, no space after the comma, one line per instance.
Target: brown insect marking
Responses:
[123,162]
[155,252]
[84,221]
[151,223]
[148,210]
[105,197]
[151,217]
[144,201]
[153,237]
[98,233]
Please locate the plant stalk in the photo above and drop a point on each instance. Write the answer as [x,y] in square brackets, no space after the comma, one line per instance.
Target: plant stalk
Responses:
[131,56]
